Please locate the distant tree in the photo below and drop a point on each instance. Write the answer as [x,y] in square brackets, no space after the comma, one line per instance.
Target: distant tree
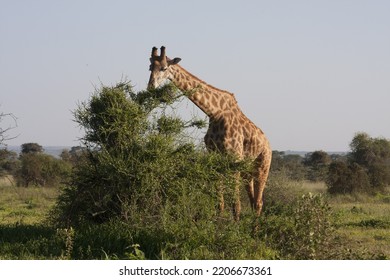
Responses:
[318,163]
[339,157]
[8,162]
[40,169]
[367,168]
[65,155]
[31,169]
[295,167]
[277,160]
[31,148]
[346,178]
[338,178]
[317,158]
[373,154]
[359,179]
[74,155]
[290,165]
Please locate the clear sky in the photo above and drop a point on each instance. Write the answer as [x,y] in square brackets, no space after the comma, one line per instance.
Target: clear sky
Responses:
[309,73]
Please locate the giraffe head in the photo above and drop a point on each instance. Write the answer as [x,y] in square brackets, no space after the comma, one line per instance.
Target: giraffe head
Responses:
[159,68]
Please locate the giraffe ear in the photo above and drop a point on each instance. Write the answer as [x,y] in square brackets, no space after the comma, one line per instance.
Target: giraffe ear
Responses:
[174,61]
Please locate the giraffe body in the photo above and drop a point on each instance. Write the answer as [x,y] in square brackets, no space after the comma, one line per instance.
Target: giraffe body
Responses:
[230,131]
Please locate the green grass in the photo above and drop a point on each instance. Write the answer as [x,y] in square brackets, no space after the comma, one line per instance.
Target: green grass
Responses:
[361,222]
[23,234]
[364,223]
[19,205]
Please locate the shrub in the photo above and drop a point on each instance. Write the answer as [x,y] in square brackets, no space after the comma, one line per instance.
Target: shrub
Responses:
[9,163]
[138,166]
[346,178]
[290,165]
[313,228]
[373,154]
[301,231]
[281,193]
[317,163]
[40,169]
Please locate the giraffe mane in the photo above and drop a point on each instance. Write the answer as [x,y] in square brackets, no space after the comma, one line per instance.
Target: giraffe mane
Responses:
[206,84]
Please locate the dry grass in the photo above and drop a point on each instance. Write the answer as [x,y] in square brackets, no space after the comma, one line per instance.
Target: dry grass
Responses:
[314,187]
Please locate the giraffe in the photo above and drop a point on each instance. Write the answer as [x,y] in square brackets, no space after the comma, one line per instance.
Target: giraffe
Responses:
[230,131]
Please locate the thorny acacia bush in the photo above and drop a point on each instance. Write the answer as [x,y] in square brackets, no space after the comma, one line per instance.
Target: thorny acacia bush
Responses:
[145,190]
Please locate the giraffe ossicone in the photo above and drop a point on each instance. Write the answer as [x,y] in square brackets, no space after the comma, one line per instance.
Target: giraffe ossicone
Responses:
[230,131]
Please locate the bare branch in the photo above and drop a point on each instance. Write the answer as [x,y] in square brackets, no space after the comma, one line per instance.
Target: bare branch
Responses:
[12,124]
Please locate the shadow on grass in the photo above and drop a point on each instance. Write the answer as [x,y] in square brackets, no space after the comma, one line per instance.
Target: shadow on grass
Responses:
[37,242]
[29,242]
[371,223]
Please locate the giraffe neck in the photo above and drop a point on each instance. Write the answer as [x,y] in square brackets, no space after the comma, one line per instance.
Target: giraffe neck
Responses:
[210,100]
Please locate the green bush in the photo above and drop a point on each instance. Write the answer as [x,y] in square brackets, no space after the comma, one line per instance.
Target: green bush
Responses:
[40,169]
[136,168]
[290,165]
[281,193]
[317,163]
[9,163]
[296,224]
[344,178]
[372,154]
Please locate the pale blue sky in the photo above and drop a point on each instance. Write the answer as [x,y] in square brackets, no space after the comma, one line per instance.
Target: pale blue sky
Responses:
[309,73]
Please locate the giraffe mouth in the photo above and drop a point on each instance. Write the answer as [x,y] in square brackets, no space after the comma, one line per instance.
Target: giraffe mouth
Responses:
[166,92]
[163,84]
[156,85]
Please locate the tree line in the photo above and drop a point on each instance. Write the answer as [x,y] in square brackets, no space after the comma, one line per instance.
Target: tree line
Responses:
[33,167]
[366,168]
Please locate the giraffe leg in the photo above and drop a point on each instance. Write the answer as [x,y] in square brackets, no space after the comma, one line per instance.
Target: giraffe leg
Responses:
[260,178]
[259,189]
[250,191]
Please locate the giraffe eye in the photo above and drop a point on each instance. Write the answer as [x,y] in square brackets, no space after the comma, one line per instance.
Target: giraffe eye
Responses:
[164,68]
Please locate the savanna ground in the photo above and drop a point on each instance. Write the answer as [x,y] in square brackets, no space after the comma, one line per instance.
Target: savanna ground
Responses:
[361,224]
